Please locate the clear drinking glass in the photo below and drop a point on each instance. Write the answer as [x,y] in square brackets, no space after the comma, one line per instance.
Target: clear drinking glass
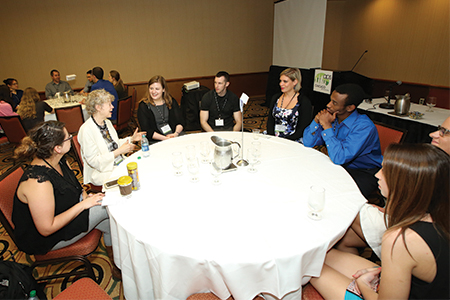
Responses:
[177,163]
[316,202]
[431,102]
[193,169]
[215,172]
[190,152]
[205,149]
[255,134]
[254,153]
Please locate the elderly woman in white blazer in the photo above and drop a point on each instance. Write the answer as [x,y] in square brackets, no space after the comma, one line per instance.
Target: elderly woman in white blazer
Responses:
[101,148]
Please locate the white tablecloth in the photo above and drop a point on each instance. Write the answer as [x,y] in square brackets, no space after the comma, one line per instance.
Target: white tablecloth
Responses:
[55,104]
[435,118]
[248,235]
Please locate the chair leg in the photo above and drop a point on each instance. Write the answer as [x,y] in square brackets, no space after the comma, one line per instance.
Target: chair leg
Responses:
[88,269]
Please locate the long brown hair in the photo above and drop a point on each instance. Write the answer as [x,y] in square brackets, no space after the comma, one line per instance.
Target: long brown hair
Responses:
[27,107]
[41,140]
[114,74]
[165,96]
[417,177]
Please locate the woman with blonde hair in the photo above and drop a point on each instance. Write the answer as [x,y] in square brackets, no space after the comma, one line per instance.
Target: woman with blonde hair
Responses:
[158,113]
[415,248]
[114,78]
[101,148]
[31,109]
[290,111]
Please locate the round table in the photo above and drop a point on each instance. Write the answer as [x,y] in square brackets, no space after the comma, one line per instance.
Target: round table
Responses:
[249,235]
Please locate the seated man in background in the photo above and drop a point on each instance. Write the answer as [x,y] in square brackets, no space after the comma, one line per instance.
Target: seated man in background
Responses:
[100,83]
[351,139]
[56,85]
[89,83]
[220,107]
[368,227]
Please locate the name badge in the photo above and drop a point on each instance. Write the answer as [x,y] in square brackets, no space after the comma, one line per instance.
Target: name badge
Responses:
[280,128]
[166,129]
[219,122]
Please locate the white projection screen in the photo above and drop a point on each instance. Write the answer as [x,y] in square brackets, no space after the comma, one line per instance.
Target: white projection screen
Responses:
[299,27]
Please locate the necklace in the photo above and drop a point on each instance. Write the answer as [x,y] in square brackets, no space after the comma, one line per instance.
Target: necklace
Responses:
[282,99]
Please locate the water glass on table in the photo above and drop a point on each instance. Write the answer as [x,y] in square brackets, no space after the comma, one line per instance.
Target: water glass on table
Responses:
[177,163]
[255,133]
[205,149]
[193,168]
[190,152]
[254,153]
[431,102]
[215,172]
[316,202]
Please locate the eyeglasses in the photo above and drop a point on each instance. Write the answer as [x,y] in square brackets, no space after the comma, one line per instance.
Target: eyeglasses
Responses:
[69,138]
[443,131]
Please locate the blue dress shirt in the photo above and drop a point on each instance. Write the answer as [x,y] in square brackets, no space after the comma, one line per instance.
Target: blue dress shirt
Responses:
[109,87]
[353,143]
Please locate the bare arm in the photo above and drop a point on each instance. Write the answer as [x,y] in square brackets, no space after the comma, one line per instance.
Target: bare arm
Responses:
[41,202]
[238,119]
[204,115]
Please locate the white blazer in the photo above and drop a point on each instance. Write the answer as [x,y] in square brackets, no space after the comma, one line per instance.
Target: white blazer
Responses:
[97,159]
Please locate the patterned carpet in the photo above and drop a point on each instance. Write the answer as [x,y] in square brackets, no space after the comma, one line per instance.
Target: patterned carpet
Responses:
[255,116]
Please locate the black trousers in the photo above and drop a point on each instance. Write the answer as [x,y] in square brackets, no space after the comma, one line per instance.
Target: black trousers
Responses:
[365,179]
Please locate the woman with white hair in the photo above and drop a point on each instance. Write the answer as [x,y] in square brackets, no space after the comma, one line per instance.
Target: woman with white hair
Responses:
[101,148]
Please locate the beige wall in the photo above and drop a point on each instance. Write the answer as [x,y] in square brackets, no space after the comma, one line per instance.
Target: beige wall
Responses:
[407,40]
[139,38]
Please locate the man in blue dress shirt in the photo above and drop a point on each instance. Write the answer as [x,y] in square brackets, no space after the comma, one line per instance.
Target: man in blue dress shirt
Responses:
[100,83]
[350,138]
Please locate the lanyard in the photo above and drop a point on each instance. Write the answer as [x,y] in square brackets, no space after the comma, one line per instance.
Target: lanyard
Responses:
[77,186]
[160,113]
[282,99]
[217,104]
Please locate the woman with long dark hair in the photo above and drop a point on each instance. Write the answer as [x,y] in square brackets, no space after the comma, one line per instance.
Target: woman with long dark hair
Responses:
[415,248]
[158,113]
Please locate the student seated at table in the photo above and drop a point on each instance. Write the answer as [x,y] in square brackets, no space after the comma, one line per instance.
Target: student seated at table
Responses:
[31,109]
[159,113]
[114,78]
[415,248]
[16,93]
[51,209]
[101,148]
[290,111]
[368,227]
[351,139]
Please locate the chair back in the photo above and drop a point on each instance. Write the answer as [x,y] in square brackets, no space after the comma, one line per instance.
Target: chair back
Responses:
[71,116]
[389,135]
[13,128]
[77,152]
[8,185]
[123,112]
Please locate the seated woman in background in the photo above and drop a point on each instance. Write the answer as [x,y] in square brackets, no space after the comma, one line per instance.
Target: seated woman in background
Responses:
[158,113]
[101,148]
[114,78]
[415,247]
[5,96]
[290,111]
[51,209]
[31,109]
[16,94]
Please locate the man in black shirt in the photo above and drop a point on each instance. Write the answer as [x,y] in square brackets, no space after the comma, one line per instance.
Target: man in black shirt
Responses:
[220,108]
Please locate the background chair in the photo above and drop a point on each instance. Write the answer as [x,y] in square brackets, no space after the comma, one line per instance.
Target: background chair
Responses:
[83,289]
[133,107]
[76,148]
[13,128]
[71,116]
[75,252]
[389,135]
[124,115]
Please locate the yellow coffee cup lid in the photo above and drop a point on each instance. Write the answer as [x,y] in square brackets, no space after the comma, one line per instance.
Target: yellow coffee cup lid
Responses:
[124,180]
[132,165]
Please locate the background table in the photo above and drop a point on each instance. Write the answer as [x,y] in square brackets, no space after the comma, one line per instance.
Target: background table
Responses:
[418,130]
[56,104]
[249,235]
